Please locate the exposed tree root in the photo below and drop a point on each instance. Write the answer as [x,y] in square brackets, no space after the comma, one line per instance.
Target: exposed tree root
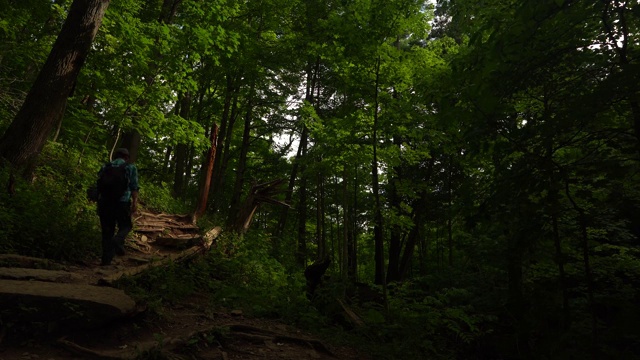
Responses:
[258,334]
[182,256]
[87,353]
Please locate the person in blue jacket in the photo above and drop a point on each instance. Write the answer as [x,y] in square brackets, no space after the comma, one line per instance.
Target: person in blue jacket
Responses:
[118,212]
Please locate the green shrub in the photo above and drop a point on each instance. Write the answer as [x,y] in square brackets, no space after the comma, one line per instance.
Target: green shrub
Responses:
[51,217]
[158,197]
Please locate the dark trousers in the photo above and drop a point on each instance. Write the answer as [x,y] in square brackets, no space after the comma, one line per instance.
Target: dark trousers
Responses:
[112,214]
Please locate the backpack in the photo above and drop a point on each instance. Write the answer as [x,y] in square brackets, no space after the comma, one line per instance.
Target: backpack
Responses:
[113,182]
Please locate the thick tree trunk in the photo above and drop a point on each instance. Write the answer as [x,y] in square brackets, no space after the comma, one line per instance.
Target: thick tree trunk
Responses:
[42,108]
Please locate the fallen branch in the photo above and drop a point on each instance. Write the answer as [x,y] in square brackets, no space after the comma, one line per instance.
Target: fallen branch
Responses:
[352,316]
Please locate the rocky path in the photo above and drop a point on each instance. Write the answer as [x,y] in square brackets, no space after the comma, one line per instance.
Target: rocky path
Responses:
[98,321]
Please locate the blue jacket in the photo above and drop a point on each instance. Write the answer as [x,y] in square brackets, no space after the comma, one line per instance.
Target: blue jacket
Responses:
[132,174]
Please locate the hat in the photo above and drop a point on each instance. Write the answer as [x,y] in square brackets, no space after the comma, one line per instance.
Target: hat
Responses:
[121,151]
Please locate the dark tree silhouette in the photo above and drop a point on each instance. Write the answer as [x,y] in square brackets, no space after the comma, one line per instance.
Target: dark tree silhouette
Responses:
[47,99]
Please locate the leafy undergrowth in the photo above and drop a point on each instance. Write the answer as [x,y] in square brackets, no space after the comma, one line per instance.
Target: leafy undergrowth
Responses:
[238,303]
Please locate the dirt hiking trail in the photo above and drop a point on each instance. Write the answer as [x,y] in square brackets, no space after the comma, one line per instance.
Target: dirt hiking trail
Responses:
[77,314]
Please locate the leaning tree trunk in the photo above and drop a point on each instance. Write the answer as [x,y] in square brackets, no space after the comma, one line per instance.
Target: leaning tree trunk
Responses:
[45,102]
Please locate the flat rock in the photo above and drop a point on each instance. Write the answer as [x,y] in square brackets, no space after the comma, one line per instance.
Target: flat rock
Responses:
[13,260]
[77,305]
[39,274]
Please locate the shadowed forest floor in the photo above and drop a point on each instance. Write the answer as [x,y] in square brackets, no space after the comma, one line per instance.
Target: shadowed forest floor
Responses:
[189,329]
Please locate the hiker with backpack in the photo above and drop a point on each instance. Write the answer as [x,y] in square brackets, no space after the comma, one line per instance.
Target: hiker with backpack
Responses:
[117,199]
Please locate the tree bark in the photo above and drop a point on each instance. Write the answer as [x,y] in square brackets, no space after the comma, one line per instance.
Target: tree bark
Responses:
[227,122]
[206,182]
[24,139]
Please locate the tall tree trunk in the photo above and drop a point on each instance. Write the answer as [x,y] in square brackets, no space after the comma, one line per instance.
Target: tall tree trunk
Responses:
[301,253]
[320,232]
[292,180]
[419,220]
[179,170]
[377,209]
[344,265]
[227,122]
[24,139]
[414,236]
[588,273]
[311,80]
[352,235]
[234,206]
[182,151]
[450,214]
[516,302]
[395,239]
[167,158]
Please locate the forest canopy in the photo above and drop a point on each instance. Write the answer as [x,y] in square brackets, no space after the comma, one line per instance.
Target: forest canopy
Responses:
[475,162]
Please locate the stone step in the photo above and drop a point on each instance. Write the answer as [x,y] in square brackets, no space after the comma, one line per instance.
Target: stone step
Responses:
[78,305]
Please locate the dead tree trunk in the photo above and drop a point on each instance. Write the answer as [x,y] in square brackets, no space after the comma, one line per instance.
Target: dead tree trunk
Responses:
[258,194]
